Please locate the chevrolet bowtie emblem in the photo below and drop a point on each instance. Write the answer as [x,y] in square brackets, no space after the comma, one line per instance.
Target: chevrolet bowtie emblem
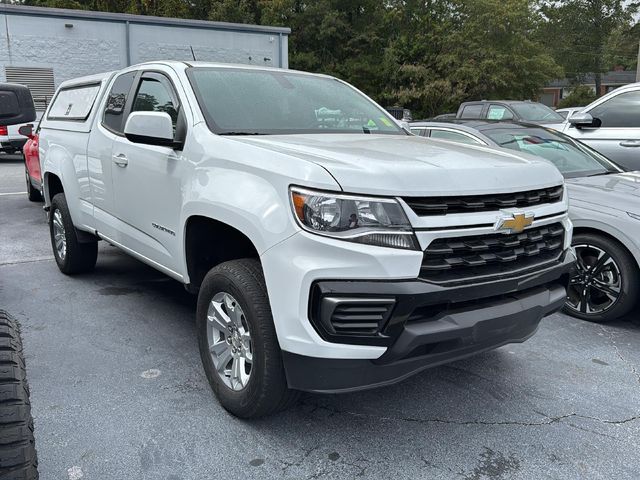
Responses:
[515,222]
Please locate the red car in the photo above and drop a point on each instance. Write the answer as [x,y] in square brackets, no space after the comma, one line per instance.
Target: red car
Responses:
[32,163]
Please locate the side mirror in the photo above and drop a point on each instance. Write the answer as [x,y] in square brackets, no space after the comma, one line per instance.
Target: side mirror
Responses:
[150,128]
[16,104]
[581,120]
[26,130]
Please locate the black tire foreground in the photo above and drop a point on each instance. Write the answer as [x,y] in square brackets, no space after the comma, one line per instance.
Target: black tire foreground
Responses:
[18,459]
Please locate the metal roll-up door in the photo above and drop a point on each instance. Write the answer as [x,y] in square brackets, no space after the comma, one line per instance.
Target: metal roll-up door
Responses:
[39,80]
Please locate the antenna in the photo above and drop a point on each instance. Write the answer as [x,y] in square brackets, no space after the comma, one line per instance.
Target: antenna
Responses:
[193,54]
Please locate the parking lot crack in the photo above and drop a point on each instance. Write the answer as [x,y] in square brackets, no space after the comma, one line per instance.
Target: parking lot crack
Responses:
[622,358]
[548,420]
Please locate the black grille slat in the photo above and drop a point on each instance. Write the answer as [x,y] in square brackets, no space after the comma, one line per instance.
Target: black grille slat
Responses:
[354,317]
[492,254]
[427,206]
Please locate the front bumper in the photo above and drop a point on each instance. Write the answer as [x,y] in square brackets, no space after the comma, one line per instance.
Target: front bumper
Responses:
[431,325]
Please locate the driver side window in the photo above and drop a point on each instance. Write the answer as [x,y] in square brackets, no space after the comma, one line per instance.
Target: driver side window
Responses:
[156,95]
[622,111]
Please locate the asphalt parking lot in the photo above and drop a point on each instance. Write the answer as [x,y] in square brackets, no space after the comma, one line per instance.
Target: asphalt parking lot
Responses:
[118,391]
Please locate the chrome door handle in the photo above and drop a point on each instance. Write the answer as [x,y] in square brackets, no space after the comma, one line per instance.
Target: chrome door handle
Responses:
[121,160]
[630,143]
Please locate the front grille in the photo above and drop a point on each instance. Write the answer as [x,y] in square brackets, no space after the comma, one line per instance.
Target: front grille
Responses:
[428,206]
[474,257]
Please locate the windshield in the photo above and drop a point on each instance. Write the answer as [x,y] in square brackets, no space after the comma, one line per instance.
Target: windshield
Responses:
[239,101]
[573,159]
[536,112]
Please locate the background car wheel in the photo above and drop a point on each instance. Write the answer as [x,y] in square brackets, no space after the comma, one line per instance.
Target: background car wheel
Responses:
[238,343]
[605,284]
[71,255]
[33,194]
[18,460]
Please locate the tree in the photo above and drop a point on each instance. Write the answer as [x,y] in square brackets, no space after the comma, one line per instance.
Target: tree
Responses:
[580,96]
[577,33]
[447,52]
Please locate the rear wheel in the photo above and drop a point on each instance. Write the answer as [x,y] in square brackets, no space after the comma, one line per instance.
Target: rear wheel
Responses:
[71,255]
[33,193]
[18,460]
[605,283]
[238,343]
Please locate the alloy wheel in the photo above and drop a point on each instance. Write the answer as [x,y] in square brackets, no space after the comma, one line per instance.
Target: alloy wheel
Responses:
[229,341]
[59,236]
[596,284]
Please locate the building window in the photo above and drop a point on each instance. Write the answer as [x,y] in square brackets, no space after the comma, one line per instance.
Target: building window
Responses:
[39,80]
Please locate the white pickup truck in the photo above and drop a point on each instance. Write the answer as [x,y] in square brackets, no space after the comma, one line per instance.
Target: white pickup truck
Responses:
[331,250]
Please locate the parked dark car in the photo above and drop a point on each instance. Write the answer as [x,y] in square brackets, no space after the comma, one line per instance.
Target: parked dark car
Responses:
[522,111]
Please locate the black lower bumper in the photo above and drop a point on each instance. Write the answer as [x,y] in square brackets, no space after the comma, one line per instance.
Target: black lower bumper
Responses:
[430,326]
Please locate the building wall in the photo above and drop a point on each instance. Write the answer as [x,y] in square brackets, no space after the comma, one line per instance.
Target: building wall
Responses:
[89,46]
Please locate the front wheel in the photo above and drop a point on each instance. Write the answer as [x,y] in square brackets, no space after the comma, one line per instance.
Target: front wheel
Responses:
[71,255]
[604,285]
[238,343]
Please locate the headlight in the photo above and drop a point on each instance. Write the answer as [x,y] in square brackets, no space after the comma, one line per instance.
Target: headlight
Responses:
[372,221]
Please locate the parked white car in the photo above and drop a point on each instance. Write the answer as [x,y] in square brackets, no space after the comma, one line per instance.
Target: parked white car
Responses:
[10,140]
[611,125]
[331,250]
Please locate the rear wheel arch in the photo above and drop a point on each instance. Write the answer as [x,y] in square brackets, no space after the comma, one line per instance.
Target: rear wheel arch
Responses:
[209,242]
[53,186]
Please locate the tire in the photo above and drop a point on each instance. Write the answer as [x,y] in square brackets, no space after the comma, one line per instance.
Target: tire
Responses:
[266,390]
[605,285]
[18,459]
[75,257]
[33,194]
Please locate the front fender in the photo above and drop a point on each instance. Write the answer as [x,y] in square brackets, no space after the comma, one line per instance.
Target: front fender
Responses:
[625,230]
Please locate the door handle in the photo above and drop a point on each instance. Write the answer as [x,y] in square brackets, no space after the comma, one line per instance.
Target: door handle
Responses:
[120,160]
[630,143]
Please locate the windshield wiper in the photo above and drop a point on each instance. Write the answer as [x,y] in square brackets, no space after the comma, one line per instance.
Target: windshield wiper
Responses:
[242,133]
[600,173]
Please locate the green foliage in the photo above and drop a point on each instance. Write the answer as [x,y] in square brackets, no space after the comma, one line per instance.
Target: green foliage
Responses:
[580,96]
[428,55]
[578,32]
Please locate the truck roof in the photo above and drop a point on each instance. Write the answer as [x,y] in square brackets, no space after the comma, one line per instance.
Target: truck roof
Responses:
[95,78]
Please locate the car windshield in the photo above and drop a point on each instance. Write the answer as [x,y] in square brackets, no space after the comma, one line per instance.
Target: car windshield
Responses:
[239,101]
[536,112]
[572,158]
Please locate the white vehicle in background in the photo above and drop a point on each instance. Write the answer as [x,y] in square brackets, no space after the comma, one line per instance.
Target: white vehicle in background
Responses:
[611,125]
[330,249]
[11,141]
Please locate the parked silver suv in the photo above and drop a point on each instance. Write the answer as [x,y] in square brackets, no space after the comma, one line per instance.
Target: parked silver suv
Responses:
[611,125]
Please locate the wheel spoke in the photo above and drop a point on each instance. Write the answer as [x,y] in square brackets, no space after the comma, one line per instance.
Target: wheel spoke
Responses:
[223,361]
[584,299]
[218,317]
[219,348]
[610,292]
[603,260]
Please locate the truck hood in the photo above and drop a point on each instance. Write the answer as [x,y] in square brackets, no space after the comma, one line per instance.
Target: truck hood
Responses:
[619,191]
[412,166]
